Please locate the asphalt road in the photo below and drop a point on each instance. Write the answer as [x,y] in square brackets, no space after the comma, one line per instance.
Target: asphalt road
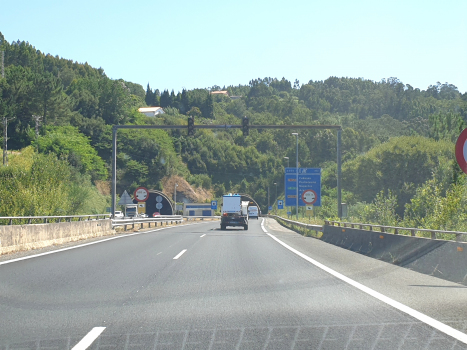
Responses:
[196,287]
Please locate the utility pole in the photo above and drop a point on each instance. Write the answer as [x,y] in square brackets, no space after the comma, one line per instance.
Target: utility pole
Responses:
[37,119]
[5,140]
[268,199]
[3,64]
[275,201]
[5,120]
[175,199]
[296,183]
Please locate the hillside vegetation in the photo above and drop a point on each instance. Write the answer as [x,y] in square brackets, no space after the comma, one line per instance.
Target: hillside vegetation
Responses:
[398,141]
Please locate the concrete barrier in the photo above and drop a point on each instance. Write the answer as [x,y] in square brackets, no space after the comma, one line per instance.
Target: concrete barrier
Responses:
[15,238]
[443,259]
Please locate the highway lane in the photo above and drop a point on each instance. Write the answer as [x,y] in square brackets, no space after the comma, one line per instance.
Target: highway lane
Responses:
[229,289]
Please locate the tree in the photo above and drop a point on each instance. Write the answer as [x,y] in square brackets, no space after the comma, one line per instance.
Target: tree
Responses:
[184,102]
[165,99]
[68,143]
[400,165]
[149,98]
[208,107]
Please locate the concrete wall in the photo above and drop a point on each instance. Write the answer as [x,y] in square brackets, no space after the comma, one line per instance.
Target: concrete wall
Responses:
[14,238]
[443,259]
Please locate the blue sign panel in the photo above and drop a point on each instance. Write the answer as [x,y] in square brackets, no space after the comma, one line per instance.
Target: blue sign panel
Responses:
[280,204]
[214,205]
[270,208]
[309,181]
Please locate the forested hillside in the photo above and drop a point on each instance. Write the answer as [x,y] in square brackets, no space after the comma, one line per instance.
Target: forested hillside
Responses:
[398,141]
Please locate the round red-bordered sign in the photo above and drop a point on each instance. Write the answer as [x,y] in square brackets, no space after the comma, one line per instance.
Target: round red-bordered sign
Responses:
[309,197]
[461,150]
[141,194]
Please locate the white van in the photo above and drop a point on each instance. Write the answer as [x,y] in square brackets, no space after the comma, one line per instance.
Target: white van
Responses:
[253,212]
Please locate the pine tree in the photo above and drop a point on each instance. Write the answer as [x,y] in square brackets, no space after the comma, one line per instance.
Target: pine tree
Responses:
[184,102]
[149,99]
[165,99]
[157,98]
[173,100]
[208,107]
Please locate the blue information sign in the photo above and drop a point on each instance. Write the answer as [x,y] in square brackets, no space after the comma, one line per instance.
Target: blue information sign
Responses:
[214,205]
[280,204]
[309,187]
[270,208]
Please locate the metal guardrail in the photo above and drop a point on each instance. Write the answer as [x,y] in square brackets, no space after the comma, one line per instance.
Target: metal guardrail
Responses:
[29,220]
[433,234]
[316,228]
[141,221]
[397,230]
[201,217]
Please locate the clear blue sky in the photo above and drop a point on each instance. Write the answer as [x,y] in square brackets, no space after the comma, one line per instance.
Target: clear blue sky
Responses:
[198,44]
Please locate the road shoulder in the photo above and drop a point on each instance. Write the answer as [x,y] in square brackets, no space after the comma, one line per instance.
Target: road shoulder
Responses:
[435,297]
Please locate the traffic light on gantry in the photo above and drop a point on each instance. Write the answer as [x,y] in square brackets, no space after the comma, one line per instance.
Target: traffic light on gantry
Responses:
[245,126]
[191,126]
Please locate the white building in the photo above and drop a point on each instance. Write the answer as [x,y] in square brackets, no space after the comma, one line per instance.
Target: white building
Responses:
[197,209]
[151,111]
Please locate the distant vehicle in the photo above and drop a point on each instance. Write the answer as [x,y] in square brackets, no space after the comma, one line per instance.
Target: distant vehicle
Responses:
[234,211]
[156,213]
[118,215]
[131,210]
[143,215]
[253,212]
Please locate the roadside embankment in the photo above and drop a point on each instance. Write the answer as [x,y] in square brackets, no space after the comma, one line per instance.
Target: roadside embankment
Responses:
[14,238]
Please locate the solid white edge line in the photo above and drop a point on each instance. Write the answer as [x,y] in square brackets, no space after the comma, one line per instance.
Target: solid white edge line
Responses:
[179,254]
[399,306]
[89,338]
[91,243]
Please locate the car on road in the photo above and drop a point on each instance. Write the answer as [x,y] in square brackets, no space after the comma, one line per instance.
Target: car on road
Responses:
[143,215]
[156,214]
[118,215]
[253,212]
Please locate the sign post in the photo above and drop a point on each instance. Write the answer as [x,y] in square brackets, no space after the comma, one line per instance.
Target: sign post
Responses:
[141,194]
[309,186]
[461,150]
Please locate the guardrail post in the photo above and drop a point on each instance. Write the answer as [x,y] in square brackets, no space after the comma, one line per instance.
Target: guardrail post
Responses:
[458,237]
[396,231]
[433,235]
[383,229]
[370,227]
[412,233]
